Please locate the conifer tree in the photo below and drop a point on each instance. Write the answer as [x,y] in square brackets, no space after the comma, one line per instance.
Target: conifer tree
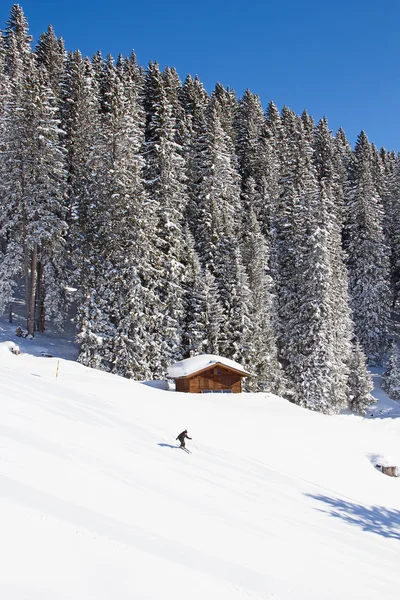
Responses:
[303,283]
[4,82]
[360,384]
[113,310]
[17,43]
[260,349]
[340,326]
[204,318]
[213,317]
[367,255]
[218,192]
[250,126]
[33,183]
[164,174]
[389,188]
[257,160]
[225,104]
[195,148]
[391,377]
[50,53]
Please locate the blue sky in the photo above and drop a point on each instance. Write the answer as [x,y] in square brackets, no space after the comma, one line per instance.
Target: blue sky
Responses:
[331,57]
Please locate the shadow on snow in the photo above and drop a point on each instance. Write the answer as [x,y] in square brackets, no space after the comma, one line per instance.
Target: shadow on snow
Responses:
[375,519]
[167,446]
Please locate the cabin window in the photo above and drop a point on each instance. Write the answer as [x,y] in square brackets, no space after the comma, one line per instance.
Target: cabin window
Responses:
[212,372]
[216,392]
[218,371]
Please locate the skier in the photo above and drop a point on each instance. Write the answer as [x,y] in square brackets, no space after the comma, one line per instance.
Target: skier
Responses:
[182,436]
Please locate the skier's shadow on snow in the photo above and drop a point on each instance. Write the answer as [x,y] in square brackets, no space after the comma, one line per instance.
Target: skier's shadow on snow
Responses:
[376,519]
[167,446]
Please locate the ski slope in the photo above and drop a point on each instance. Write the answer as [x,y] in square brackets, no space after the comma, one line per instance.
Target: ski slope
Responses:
[275,502]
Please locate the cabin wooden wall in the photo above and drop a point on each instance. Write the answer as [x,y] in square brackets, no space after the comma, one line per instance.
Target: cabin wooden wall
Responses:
[216,378]
[182,385]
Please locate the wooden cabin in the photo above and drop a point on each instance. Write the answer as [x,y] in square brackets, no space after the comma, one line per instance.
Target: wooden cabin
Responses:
[207,373]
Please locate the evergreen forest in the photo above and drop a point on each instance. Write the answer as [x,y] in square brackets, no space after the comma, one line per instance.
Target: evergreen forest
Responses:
[189,222]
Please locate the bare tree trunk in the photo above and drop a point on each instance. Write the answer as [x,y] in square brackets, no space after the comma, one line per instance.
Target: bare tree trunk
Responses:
[40,298]
[10,316]
[26,274]
[30,323]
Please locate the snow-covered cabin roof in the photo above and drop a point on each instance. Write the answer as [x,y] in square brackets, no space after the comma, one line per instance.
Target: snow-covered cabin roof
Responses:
[192,365]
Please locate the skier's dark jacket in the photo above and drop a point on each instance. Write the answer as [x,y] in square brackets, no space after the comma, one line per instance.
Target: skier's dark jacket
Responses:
[181,437]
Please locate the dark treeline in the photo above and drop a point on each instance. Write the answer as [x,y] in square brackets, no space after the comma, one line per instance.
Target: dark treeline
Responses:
[191,223]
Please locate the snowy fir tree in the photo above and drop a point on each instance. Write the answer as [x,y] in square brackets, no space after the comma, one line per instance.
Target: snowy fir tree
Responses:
[51,54]
[391,377]
[360,382]
[391,223]
[260,349]
[191,224]
[33,181]
[367,255]
[164,174]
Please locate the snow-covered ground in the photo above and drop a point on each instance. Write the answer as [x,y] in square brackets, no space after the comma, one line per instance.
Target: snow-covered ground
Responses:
[97,502]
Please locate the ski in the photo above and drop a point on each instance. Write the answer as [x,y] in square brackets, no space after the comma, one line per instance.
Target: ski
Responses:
[185,449]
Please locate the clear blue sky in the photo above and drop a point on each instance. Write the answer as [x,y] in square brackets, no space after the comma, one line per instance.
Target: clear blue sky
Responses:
[335,58]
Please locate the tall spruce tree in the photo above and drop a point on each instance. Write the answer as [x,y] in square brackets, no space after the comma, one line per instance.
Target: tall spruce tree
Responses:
[260,349]
[51,54]
[360,384]
[257,160]
[391,377]
[304,293]
[33,185]
[164,174]
[112,334]
[367,255]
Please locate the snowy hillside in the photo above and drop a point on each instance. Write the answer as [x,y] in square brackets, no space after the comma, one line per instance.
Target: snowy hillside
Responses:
[275,502]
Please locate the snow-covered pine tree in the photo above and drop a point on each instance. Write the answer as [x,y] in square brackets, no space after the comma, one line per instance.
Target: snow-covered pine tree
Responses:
[112,331]
[303,283]
[328,164]
[360,383]
[204,317]
[33,182]
[214,317]
[342,157]
[234,293]
[260,350]
[308,126]
[367,255]
[257,159]
[51,54]
[218,192]
[173,90]
[17,43]
[193,335]
[274,124]
[81,121]
[392,228]
[250,126]
[391,377]
[274,148]
[225,104]
[4,82]
[194,101]
[164,175]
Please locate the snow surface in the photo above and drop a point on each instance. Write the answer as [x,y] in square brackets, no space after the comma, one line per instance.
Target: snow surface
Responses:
[197,363]
[274,503]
